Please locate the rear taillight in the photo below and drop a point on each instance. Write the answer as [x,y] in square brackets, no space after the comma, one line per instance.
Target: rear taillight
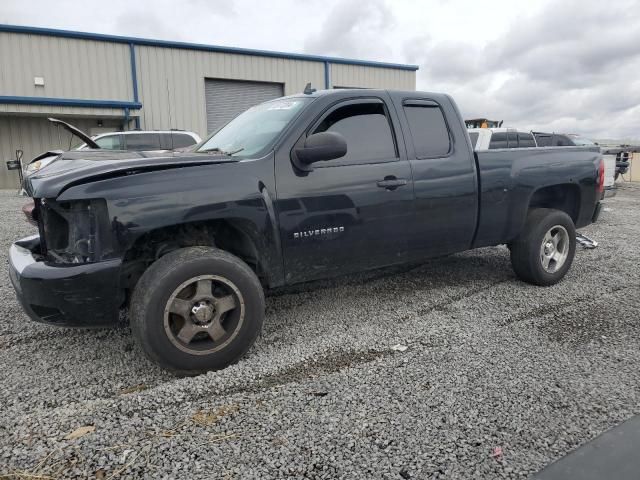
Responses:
[600,185]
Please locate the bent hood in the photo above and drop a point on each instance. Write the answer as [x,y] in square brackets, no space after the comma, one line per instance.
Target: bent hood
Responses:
[75,131]
[75,167]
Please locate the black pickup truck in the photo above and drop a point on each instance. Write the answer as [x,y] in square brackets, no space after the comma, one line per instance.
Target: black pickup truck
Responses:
[295,189]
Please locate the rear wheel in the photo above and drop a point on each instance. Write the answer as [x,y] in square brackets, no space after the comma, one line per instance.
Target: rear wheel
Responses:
[197,309]
[544,251]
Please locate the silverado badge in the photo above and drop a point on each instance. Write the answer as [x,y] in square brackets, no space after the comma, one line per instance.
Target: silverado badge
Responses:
[317,232]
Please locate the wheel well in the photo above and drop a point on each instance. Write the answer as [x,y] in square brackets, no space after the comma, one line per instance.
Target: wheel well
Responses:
[564,197]
[229,235]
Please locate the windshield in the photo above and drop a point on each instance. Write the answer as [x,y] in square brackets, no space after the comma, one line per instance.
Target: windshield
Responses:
[254,130]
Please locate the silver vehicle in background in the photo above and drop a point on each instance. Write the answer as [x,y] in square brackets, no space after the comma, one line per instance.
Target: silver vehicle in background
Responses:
[144,140]
[133,140]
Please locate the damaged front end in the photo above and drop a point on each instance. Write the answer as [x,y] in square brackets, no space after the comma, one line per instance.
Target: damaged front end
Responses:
[68,275]
[73,232]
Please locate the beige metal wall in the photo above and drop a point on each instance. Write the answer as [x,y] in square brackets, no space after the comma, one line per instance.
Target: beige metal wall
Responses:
[71,68]
[634,168]
[172,82]
[170,85]
[33,135]
[372,77]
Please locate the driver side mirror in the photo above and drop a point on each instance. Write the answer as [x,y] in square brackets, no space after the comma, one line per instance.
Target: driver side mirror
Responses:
[322,146]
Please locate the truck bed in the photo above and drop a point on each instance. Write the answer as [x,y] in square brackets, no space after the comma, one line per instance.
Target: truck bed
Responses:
[509,178]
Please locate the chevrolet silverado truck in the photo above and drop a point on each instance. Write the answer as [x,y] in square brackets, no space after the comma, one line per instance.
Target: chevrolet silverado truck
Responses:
[292,190]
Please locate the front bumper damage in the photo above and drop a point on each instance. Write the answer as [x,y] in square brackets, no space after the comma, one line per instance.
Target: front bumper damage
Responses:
[77,295]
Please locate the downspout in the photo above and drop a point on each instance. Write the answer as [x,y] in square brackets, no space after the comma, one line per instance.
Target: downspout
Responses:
[134,80]
[327,75]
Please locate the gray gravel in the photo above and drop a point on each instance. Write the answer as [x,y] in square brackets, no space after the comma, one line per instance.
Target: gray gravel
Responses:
[491,362]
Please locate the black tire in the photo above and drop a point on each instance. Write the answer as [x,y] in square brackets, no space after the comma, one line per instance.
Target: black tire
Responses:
[527,250]
[153,325]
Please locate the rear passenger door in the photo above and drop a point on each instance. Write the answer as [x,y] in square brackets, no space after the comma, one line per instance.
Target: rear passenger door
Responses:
[444,177]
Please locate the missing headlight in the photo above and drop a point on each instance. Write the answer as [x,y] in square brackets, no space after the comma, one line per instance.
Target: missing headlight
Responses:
[72,230]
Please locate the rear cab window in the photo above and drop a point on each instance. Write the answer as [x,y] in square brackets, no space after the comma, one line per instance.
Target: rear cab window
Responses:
[429,131]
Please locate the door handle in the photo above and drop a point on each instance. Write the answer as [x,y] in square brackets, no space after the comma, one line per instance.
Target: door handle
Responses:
[391,183]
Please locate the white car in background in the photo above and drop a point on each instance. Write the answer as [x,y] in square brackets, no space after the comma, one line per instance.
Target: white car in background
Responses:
[494,138]
[134,140]
[144,140]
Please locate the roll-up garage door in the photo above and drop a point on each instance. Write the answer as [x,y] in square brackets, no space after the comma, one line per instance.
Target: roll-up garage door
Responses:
[228,98]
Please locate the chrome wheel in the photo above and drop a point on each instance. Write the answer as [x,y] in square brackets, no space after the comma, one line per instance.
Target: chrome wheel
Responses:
[554,249]
[204,314]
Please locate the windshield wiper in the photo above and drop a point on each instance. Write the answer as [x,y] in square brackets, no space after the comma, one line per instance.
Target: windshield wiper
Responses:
[236,151]
[219,150]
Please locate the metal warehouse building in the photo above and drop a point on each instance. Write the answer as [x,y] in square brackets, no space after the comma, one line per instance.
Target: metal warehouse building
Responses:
[104,83]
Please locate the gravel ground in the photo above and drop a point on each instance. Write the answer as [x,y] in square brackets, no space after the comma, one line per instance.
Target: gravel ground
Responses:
[491,362]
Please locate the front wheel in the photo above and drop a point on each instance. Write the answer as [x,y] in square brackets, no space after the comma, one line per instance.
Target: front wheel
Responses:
[197,309]
[543,252]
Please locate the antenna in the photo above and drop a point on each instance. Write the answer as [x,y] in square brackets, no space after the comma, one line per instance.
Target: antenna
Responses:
[308,90]
[170,121]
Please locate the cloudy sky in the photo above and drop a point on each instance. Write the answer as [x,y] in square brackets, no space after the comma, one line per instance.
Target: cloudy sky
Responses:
[563,65]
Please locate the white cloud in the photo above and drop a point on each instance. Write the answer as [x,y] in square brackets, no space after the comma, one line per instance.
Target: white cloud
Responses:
[354,29]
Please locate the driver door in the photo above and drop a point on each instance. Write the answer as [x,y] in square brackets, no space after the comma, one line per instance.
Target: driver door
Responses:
[351,213]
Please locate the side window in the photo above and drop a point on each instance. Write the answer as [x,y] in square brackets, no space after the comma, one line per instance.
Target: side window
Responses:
[110,142]
[428,130]
[142,141]
[498,140]
[366,128]
[526,140]
[512,139]
[176,140]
